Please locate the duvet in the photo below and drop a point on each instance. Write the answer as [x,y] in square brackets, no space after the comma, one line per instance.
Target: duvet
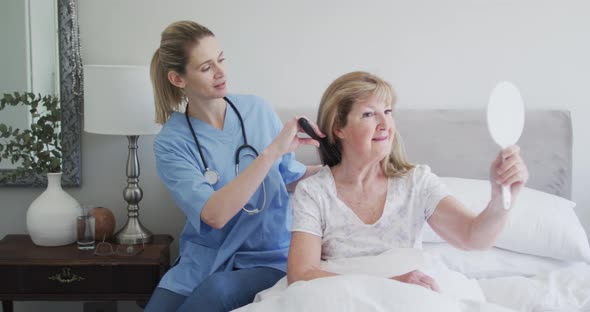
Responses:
[364,286]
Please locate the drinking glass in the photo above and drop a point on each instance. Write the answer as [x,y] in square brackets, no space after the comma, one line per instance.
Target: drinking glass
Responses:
[85,232]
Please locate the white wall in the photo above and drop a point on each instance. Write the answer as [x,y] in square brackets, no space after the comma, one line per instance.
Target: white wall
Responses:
[437,54]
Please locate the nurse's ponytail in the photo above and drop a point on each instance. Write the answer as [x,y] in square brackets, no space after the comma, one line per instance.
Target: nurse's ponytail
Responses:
[176,42]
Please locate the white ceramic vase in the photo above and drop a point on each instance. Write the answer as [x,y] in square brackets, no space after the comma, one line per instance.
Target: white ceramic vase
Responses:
[51,218]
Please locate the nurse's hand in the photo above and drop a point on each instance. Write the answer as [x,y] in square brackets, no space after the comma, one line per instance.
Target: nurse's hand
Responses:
[288,140]
[418,278]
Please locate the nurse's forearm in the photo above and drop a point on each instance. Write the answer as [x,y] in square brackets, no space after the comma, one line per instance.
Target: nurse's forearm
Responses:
[226,202]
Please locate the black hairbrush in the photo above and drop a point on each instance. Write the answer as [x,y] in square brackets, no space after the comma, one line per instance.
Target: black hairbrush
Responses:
[332,153]
[309,130]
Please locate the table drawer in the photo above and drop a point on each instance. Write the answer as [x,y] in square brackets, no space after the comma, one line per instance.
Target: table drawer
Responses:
[129,279]
[66,279]
[8,279]
[136,279]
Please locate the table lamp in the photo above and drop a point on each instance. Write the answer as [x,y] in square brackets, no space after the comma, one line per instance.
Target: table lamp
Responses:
[118,100]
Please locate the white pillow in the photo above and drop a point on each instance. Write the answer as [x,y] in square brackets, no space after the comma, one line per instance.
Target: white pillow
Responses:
[493,262]
[539,223]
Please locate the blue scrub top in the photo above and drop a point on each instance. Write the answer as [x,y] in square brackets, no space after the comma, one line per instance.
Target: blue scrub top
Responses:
[246,240]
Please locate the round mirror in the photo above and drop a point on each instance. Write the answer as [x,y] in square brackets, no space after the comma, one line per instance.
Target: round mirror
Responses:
[505,114]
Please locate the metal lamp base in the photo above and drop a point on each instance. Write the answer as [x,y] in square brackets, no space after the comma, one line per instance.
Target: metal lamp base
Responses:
[133,233]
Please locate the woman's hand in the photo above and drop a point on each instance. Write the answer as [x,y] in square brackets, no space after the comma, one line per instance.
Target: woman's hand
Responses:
[418,278]
[508,169]
[288,140]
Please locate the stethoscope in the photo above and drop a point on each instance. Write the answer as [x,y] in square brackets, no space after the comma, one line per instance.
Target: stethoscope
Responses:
[211,176]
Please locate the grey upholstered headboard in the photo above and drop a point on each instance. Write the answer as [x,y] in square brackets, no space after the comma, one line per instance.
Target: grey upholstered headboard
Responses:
[456,143]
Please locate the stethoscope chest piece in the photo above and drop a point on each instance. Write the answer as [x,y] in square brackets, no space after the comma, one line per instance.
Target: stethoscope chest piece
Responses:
[211,176]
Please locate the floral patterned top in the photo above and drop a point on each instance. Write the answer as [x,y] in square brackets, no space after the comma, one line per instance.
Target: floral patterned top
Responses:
[410,201]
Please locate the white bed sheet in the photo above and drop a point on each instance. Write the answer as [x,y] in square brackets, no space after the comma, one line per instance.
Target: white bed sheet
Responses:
[566,289]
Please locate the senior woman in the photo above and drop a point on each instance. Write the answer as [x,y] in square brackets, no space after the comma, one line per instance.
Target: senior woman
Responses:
[369,199]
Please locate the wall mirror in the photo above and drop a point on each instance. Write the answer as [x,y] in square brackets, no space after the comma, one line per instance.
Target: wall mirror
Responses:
[43,56]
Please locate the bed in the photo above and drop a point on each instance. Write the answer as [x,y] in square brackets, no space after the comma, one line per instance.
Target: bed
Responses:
[540,261]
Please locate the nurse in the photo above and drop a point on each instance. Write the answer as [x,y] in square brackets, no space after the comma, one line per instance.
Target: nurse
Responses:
[236,238]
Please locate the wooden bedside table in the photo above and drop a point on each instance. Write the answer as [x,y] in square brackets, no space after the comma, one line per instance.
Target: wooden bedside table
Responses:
[29,272]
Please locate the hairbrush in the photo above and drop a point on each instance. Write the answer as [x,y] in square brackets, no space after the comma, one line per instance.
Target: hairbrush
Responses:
[331,149]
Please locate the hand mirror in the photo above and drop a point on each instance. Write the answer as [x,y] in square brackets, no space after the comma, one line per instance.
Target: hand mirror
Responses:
[505,117]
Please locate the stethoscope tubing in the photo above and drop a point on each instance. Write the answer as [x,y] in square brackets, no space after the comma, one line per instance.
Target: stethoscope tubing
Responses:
[211,175]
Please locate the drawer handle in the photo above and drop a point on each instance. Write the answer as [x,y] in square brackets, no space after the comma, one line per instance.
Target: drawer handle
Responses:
[66,277]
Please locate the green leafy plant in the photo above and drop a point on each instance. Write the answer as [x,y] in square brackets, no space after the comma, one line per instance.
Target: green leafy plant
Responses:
[36,150]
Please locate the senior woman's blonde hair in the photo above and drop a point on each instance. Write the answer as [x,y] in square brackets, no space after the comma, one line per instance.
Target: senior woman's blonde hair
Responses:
[337,103]
[173,55]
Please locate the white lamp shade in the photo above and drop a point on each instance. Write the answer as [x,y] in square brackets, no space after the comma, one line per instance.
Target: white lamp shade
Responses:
[118,100]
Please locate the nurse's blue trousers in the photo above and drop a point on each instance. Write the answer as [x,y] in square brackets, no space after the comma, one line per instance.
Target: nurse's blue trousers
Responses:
[222,291]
